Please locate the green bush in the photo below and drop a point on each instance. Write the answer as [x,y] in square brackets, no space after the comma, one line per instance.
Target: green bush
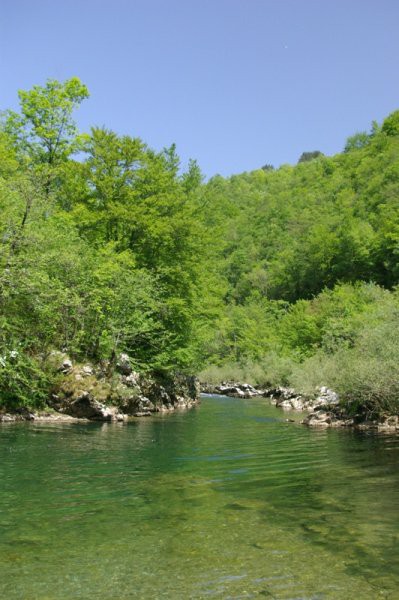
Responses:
[366,373]
[271,371]
[23,380]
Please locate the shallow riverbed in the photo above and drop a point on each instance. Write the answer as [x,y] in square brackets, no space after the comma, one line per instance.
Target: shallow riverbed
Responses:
[224,501]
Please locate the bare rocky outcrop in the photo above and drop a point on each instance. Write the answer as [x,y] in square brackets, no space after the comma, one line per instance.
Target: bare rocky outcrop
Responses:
[324,407]
[87,407]
[388,423]
[336,417]
[123,364]
[289,399]
[326,418]
[283,397]
[38,416]
[286,398]
[231,388]
[166,393]
[326,411]
[103,393]
[109,392]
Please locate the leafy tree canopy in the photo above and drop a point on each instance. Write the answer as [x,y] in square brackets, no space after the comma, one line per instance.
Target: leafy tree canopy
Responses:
[44,129]
[306,156]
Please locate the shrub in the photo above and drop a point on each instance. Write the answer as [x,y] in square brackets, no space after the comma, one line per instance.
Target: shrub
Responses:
[23,380]
[366,374]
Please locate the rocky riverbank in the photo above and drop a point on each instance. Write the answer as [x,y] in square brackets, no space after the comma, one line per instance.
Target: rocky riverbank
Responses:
[282,397]
[337,417]
[325,409]
[106,392]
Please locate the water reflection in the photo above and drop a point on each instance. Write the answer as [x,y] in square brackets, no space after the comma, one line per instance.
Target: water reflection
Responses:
[224,501]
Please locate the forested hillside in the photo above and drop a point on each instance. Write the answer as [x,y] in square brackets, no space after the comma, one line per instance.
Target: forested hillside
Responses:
[282,276]
[308,256]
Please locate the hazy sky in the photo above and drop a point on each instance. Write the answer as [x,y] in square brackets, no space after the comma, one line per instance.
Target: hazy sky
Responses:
[234,83]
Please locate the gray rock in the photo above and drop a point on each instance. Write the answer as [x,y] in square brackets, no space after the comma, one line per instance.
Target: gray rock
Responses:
[285,404]
[144,406]
[6,418]
[86,407]
[326,418]
[131,380]
[108,394]
[288,398]
[388,423]
[326,397]
[41,416]
[298,403]
[317,419]
[87,370]
[123,364]
[66,366]
[233,389]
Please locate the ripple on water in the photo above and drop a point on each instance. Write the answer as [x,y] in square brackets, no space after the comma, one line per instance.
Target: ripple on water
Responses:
[227,501]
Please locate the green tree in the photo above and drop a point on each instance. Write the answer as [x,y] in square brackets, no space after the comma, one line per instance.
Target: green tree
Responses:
[390,125]
[44,129]
[356,141]
[307,156]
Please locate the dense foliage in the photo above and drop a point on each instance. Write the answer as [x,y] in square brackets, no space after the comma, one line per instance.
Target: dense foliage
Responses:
[309,259]
[281,275]
[100,251]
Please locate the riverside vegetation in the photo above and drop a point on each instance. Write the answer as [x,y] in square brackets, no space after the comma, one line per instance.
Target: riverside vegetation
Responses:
[277,276]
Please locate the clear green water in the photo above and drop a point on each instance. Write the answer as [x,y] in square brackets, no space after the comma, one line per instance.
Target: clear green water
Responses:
[224,501]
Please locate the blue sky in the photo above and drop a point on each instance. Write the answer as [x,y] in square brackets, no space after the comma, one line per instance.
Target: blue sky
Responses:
[234,83]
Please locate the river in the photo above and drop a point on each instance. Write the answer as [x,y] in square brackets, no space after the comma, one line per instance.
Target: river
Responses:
[223,501]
